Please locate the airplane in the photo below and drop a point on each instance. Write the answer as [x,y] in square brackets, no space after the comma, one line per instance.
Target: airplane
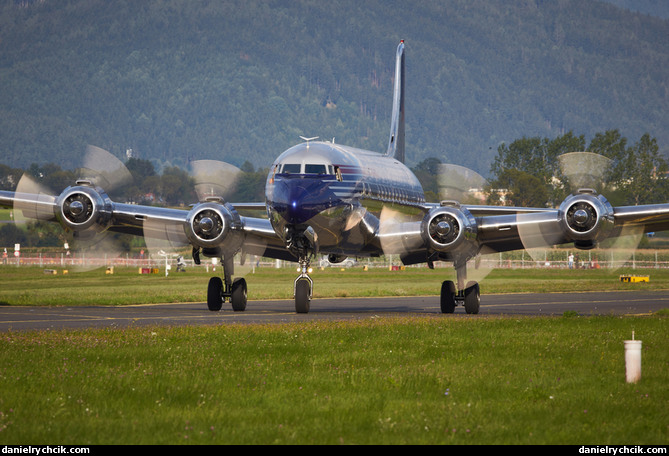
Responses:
[323,198]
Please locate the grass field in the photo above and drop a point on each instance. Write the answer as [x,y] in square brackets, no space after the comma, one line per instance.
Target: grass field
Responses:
[399,380]
[437,379]
[30,286]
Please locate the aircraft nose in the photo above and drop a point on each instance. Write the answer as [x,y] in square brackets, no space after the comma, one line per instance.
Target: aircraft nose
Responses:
[299,200]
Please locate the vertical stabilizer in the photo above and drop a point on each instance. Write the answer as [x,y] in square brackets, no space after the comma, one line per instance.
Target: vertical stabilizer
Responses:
[396,141]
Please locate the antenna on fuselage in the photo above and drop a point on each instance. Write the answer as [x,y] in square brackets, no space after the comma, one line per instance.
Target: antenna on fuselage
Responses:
[308,139]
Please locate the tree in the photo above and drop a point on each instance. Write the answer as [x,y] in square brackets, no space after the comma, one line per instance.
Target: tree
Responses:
[523,189]
[640,173]
[536,158]
[250,186]
[140,169]
[144,179]
[427,173]
[636,174]
[9,177]
[177,187]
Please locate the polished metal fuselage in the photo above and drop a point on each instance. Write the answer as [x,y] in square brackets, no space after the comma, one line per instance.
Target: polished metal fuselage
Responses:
[344,203]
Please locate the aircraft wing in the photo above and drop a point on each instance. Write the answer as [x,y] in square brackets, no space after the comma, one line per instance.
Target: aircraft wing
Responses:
[584,218]
[454,232]
[501,229]
[214,225]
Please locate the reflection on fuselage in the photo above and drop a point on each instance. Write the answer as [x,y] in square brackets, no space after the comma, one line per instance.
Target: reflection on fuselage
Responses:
[339,192]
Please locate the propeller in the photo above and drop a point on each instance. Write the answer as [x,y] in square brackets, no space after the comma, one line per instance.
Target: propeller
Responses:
[104,170]
[35,200]
[214,181]
[581,170]
[165,240]
[584,170]
[461,184]
[587,169]
[464,185]
[214,178]
[401,233]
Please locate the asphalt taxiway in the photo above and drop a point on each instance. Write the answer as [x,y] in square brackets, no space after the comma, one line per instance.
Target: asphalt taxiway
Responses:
[15,318]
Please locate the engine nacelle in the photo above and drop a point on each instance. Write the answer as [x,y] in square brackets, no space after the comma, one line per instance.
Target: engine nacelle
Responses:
[586,218]
[84,207]
[209,224]
[449,228]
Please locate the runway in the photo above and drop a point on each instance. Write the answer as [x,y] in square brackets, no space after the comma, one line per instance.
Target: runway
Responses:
[282,311]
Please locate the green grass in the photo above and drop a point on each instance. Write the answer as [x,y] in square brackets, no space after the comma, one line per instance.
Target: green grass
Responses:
[30,286]
[433,379]
[427,380]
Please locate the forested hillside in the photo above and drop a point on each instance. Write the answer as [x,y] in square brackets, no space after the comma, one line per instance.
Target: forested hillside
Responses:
[178,80]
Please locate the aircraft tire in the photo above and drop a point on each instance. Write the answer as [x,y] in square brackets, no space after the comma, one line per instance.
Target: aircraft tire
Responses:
[448,297]
[302,300]
[214,294]
[472,298]
[239,295]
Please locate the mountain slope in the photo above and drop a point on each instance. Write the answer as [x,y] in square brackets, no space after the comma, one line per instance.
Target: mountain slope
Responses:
[241,80]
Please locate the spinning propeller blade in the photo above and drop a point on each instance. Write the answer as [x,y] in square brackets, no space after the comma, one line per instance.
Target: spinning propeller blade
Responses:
[214,181]
[214,178]
[460,184]
[400,231]
[37,201]
[33,200]
[582,170]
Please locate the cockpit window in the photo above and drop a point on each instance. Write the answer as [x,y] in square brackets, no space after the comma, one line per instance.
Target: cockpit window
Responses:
[290,168]
[315,169]
[309,168]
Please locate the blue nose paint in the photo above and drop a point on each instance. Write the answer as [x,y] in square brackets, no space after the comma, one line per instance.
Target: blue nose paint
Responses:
[297,200]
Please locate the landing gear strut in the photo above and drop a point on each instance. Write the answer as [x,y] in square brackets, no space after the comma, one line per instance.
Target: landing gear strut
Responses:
[303,243]
[220,291]
[303,287]
[469,295]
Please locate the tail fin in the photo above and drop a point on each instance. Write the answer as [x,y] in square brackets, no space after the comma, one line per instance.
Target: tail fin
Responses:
[396,142]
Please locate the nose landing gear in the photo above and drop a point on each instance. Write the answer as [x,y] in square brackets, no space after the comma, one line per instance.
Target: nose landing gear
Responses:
[303,287]
[303,243]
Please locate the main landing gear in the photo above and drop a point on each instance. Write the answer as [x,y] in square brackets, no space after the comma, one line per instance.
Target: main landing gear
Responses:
[469,295]
[220,291]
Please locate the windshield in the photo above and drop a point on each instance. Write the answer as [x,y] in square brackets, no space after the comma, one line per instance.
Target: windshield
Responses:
[315,169]
[290,168]
[309,168]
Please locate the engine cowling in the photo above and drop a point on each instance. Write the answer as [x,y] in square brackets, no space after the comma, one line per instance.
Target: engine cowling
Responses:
[84,207]
[449,228]
[209,224]
[586,218]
